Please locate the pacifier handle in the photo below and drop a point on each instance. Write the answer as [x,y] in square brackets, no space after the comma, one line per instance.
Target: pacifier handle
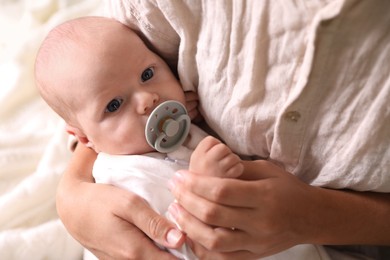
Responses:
[167,126]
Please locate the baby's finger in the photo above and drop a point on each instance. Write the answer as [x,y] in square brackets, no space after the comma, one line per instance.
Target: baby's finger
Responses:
[194,115]
[191,96]
[220,151]
[207,143]
[234,170]
[191,105]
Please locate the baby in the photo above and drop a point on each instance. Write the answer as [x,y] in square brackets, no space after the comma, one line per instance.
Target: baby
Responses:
[101,78]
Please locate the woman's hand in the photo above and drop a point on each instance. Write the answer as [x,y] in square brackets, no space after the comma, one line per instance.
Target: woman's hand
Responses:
[104,218]
[240,219]
[270,211]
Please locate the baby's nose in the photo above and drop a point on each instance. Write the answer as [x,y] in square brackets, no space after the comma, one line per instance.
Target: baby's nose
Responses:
[145,101]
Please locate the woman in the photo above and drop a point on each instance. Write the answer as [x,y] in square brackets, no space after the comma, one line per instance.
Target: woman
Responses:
[303,85]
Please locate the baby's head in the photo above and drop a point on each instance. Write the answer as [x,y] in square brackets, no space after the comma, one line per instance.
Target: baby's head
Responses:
[100,77]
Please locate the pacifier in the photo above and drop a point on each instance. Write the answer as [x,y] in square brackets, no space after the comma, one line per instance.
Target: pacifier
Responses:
[167,126]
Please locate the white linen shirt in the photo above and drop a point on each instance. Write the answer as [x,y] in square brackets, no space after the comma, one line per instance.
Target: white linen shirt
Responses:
[305,84]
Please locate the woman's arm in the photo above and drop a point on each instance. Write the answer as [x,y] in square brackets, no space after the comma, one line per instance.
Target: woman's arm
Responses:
[274,211]
[100,216]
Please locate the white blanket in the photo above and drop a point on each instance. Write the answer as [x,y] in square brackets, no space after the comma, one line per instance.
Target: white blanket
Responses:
[33,151]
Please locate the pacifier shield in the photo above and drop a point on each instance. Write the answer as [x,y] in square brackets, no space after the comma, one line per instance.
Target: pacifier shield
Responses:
[168,126]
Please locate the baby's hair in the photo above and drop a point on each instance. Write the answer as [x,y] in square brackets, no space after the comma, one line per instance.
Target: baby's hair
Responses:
[60,40]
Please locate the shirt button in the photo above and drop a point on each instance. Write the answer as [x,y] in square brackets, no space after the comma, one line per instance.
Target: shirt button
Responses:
[292,116]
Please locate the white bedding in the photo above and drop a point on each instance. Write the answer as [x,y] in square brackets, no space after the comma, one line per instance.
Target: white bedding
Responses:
[33,151]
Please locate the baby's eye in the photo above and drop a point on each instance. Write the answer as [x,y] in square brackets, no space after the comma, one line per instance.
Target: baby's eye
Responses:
[113,105]
[147,74]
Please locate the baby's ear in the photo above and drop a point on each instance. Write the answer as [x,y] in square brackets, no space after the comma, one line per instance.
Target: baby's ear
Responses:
[78,133]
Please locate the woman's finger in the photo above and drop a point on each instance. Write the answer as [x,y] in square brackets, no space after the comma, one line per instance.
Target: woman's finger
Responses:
[212,213]
[157,227]
[229,192]
[203,253]
[213,238]
[122,249]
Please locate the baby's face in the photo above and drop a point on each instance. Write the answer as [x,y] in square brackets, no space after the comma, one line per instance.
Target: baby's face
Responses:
[115,89]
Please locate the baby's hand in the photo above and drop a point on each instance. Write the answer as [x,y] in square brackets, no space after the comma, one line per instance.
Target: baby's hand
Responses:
[213,158]
[191,105]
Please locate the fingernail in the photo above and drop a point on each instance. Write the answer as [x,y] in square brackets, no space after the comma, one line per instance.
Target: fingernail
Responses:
[174,236]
